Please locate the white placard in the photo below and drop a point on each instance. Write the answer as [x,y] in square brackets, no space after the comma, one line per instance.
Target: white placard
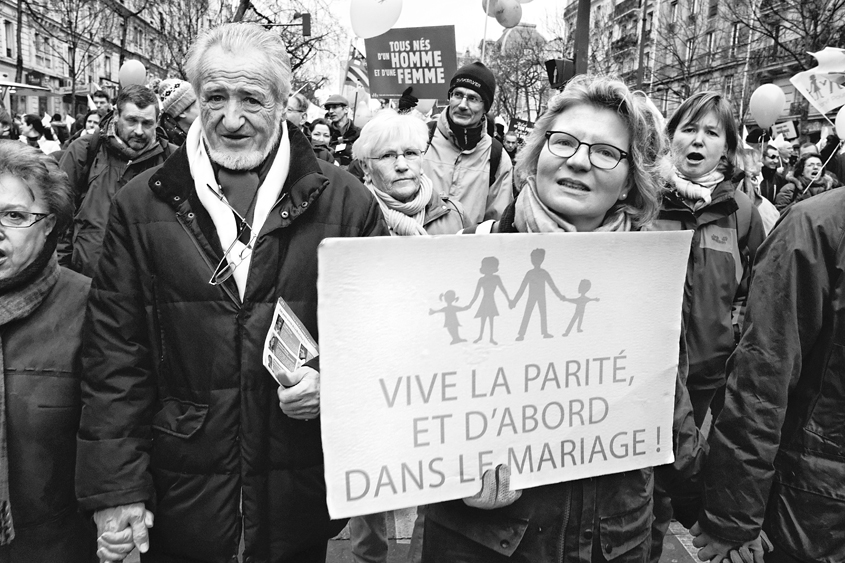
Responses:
[426,383]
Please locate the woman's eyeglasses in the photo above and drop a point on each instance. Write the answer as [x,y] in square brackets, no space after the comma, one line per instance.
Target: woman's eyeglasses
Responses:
[601,155]
[21,219]
[391,157]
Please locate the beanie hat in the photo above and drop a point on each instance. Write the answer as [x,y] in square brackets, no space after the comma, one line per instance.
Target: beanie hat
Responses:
[176,96]
[477,77]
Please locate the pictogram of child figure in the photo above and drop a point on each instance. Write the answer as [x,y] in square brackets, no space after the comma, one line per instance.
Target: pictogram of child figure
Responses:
[580,305]
[450,315]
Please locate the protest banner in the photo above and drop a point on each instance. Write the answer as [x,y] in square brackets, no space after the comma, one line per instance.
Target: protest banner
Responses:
[520,127]
[422,57]
[442,357]
[822,85]
[787,129]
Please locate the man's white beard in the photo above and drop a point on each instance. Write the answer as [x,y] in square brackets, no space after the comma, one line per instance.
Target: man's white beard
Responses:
[247,161]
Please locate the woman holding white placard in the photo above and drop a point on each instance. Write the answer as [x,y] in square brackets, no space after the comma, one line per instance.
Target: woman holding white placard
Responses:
[591,164]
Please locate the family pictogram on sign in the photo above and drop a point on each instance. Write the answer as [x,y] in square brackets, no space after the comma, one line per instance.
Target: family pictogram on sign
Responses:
[535,281]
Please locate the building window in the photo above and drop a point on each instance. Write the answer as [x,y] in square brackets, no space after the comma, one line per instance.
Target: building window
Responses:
[42,51]
[690,51]
[734,39]
[649,21]
[107,66]
[713,10]
[693,7]
[9,37]
[711,44]
[664,102]
[673,11]
[729,85]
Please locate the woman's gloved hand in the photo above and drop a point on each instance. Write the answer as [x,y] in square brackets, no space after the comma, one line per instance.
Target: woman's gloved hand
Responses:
[495,490]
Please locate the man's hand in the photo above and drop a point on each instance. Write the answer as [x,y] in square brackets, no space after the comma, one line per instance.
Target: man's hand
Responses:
[714,550]
[495,490]
[302,401]
[122,528]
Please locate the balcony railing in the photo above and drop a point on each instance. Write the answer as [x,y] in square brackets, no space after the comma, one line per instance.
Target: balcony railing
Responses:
[625,7]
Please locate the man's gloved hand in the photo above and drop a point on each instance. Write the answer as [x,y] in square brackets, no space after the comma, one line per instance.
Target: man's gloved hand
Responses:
[122,528]
[495,490]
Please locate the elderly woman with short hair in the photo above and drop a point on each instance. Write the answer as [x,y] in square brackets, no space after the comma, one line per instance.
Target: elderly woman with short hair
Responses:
[390,150]
[41,310]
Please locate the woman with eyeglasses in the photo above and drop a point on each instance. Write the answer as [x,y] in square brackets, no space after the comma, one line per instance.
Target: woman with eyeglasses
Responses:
[808,179]
[590,164]
[41,310]
[390,150]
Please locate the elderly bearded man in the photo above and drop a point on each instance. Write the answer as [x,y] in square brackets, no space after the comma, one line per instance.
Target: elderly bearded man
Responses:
[180,418]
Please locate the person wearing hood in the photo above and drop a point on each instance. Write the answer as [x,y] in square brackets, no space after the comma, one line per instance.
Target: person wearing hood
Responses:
[99,165]
[463,160]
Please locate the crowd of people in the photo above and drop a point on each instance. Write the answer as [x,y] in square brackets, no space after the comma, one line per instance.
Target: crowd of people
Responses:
[141,262]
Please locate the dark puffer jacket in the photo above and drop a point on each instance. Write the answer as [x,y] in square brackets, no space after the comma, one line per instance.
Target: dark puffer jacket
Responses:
[179,412]
[799,189]
[778,448]
[106,174]
[41,361]
[606,518]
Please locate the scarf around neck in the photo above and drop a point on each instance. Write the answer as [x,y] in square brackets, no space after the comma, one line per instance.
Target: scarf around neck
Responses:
[269,192]
[467,138]
[533,216]
[120,146]
[15,304]
[697,190]
[404,218]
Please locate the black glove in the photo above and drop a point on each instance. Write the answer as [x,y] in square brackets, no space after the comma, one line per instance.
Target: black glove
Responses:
[407,102]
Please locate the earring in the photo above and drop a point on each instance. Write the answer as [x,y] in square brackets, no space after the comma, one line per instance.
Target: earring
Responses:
[623,196]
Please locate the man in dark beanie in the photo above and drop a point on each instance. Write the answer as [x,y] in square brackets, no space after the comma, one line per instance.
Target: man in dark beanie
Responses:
[464,160]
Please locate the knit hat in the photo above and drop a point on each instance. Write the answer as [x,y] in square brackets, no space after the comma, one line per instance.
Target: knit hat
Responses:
[477,77]
[176,96]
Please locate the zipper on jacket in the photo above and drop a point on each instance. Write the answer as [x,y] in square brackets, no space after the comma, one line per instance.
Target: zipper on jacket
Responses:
[561,542]
[194,240]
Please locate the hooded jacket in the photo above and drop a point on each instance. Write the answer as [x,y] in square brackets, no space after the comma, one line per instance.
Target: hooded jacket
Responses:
[465,175]
[179,412]
[109,171]
[799,189]
[778,448]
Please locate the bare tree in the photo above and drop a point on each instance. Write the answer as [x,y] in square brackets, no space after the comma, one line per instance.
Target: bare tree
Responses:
[311,56]
[68,31]
[517,61]
[180,23]
[787,31]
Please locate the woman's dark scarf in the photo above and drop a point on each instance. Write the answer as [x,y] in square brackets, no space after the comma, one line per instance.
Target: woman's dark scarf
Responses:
[19,297]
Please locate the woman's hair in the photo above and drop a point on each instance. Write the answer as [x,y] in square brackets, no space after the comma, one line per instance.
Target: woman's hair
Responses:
[39,171]
[695,108]
[648,141]
[388,126]
[319,121]
[35,122]
[798,171]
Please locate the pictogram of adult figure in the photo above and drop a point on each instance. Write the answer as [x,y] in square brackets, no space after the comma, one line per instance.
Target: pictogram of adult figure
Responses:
[535,280]
[580,304]
[488,282]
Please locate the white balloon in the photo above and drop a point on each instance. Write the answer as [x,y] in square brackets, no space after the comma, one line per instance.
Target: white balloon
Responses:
[490,7]
[509,13]
[374,17]
[840,123]
[132,72]
[424,106]
[766,104]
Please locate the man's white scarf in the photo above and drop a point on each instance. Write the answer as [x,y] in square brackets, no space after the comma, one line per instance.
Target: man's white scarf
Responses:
[221,215]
